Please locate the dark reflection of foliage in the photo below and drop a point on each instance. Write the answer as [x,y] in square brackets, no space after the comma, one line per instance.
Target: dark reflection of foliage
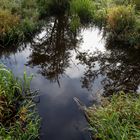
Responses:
[11,50]
[118,68]
[52,54]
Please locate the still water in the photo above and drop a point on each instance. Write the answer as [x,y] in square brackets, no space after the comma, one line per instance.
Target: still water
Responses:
[67,65]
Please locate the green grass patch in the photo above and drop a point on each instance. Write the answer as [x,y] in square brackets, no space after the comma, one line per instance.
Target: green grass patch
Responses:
[18,117]
[83,8]
[117,118]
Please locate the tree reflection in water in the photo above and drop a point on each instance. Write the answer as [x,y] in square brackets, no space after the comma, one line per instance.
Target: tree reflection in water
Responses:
[52,55]
[119,69]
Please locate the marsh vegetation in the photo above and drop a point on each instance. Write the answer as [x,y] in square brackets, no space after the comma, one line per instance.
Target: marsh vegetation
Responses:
[18,118]
[117,118]
[63,21]
[18,21]
[118,19]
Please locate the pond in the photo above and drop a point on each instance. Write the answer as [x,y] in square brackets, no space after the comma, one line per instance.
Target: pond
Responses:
[67,65]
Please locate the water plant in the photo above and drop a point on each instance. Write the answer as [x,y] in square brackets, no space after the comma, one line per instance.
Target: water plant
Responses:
[18,117]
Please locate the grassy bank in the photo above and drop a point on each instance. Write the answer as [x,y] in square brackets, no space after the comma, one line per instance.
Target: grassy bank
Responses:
[119,21]
[77,10]
[19,20]
[18,118]
[117,118]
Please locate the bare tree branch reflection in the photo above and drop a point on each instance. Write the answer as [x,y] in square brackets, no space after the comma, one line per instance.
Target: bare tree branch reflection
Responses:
[52,54]
[118,68]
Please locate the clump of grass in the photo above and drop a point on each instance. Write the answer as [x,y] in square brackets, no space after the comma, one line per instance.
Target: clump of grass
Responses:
[83,8]
[75,9]
[11,5]
[75,23]
[118,20]
[18,118]
[117,118]
[121,24]
[121,19]
[8,21]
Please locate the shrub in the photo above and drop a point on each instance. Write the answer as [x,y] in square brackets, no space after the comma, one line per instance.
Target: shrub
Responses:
[121,18]
[74,23]
[8,21]
[117,118]
[121,24]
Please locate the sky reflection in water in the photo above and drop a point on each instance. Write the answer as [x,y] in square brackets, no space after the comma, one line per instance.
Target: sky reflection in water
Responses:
[67,65]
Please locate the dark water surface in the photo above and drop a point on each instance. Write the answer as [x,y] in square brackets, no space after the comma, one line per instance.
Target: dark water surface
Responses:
[67,65]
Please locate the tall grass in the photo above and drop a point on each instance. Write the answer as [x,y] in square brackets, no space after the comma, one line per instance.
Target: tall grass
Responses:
[117,118]
[8,21]
[19,19]
[83,8]
[119,20]
[18,118]
[80,9]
